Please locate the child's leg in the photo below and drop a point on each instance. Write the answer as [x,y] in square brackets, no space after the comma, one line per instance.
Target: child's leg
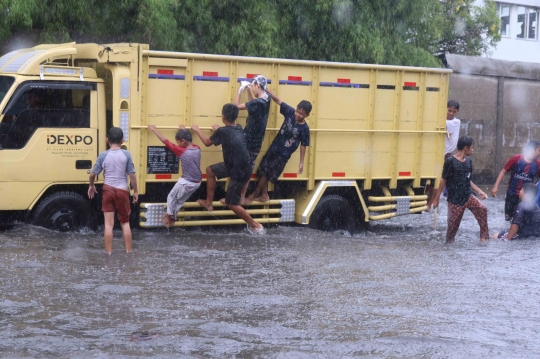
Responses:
[480,213]
[263,188]
[242,213]
[244,191]
[455,213]
[182,190]
[108,235]
[126,233]
[510,203]
[211,182]
[253,195]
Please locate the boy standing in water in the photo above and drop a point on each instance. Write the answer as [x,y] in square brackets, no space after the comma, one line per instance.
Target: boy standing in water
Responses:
[258,108]
[456,175]
[236,165]
[523,169]
[526,219]
[190,158]
[117,165]
[293,132]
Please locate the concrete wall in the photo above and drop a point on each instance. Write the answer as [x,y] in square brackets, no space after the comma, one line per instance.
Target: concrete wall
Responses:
[501,115]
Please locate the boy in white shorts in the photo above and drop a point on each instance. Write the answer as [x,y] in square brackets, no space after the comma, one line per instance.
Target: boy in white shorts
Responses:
[190,158]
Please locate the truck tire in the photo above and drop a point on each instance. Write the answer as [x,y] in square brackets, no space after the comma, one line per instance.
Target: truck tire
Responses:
[333,213]
[64,212]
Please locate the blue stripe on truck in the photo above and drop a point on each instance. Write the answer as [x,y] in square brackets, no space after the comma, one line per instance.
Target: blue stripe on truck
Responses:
[340,84]
[168,77]
[211,78]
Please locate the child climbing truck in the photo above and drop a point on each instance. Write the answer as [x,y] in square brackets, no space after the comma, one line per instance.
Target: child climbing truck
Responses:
[190,159]
[293,132]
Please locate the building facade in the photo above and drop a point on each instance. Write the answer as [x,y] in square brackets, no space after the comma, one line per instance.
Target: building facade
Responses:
[519,30]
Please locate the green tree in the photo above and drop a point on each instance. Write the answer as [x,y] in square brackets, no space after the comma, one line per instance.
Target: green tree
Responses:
[469,29]
[403,32]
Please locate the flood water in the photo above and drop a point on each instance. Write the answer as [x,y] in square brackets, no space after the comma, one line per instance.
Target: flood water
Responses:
[396,291]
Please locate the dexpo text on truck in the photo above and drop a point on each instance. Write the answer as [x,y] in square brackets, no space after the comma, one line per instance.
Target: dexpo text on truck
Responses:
[377,133]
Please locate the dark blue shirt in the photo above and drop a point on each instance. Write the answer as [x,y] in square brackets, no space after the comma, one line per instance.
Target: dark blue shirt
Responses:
[290,135]
[527,217]
[256,122]
[457,175]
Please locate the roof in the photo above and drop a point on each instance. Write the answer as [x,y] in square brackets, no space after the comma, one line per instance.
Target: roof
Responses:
[492,67]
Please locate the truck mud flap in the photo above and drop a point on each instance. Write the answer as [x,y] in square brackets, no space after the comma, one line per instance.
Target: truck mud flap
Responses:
[192,214]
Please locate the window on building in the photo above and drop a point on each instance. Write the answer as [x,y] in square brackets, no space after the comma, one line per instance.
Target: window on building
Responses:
[38,105]
[504,14]
[526,21]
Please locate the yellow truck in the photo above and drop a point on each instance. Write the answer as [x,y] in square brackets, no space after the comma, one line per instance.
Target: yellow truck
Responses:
[377,133]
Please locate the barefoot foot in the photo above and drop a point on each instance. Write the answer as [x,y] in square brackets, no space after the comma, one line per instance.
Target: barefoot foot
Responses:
[208,207]
[262,199]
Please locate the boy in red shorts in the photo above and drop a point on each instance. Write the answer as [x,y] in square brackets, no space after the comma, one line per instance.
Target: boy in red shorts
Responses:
[117,165]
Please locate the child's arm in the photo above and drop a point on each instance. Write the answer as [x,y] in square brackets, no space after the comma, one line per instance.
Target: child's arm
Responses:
[205,140]
[435,201]
[479,191]
[241,106]
[158,134]
[500,177]
[512,231]
[92,188]
[133,181]
[302,155]
[274,97]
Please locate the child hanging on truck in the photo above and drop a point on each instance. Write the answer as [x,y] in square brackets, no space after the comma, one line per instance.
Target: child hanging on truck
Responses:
[116,164]
[456,174]
[293,132]
[258,108]
[236,165]
[190,158]
[523,168]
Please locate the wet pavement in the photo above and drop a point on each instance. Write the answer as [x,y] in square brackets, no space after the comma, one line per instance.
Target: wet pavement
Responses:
[395,291]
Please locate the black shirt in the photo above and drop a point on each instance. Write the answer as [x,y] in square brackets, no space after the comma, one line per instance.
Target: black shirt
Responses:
[235,154]
[256,122]
[290,135]
[527,217]
[457,175]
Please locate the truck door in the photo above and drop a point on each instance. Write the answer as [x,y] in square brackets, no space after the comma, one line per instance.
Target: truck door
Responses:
[46,137]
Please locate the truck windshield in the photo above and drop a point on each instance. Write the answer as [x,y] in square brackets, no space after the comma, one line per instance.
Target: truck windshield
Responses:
[5,84]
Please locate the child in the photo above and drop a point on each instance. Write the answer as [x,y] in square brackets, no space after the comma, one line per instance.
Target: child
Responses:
[236,165]
[117,165]
[457,171]
[526,218]
[190,158]
[294,131]
[524,168]
[258,108]
[452,127]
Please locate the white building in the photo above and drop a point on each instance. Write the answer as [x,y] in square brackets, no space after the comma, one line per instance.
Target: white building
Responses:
[519,30]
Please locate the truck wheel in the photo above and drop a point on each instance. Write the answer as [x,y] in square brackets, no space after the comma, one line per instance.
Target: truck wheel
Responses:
[64,212]
[333,213]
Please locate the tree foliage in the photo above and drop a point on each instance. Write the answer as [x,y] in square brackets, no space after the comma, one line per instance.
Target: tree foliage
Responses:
[404,32]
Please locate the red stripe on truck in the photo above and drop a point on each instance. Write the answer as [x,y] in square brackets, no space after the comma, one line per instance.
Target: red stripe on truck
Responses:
[344,81]
[295,78]
[210,73]
[290,175]
[411,84]
[250,76]
[338,174]
[404,173]
[165,72]
[163,176]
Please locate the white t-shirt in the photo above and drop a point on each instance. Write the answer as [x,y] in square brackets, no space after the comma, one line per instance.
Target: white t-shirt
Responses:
[452,126]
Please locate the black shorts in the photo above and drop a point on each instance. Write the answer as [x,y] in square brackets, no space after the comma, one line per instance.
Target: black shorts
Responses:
[271,166]
[253,157]
[510,203]
[236,183]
